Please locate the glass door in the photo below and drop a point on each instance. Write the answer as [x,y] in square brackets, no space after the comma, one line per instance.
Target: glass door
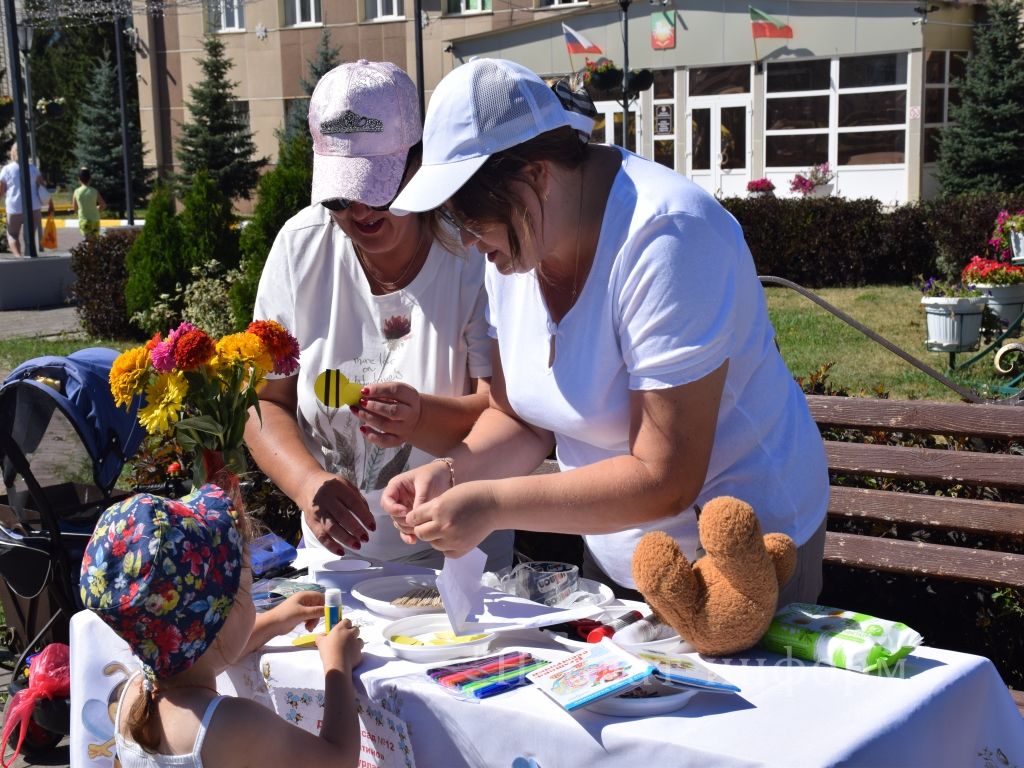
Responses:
[608,124]
[718,143]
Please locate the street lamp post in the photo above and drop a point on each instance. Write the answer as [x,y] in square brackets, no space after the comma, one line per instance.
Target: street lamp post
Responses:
[123,99]
[624,5]
[19,128]
[25,46]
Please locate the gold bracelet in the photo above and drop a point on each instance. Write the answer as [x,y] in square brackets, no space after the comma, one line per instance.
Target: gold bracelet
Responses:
[451,469]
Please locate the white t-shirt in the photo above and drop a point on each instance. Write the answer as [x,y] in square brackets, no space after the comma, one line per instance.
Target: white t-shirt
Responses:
[10,175]
[432,335]
[672,294]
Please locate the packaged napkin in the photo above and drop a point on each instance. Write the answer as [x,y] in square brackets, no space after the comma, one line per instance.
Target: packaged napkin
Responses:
[843,639]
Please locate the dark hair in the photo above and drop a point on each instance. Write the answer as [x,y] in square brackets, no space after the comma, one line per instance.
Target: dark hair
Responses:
[488,196]
[84,175]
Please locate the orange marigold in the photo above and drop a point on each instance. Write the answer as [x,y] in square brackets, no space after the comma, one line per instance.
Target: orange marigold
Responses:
[153,341]
[194,348]
[128,375]
[282,345]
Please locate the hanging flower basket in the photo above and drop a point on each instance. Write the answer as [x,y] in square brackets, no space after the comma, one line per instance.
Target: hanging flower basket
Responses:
[953,322]
[607,79]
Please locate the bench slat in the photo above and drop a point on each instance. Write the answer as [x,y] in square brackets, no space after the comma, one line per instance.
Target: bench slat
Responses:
[976,566]
[931,464]
[919,416]
[937,512]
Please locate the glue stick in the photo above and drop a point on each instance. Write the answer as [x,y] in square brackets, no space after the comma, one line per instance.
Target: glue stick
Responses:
[609,629]
[332,608]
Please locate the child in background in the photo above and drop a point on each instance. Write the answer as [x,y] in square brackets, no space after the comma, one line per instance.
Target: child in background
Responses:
[87,202]
[169,576]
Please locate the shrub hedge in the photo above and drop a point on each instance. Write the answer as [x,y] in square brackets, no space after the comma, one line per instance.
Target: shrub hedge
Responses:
[100,278]
[832,242]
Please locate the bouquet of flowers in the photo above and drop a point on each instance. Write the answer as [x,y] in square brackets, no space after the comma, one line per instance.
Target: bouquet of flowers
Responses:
[763,186]
[816,176]
[991,272]
[1006,224]
[199,390]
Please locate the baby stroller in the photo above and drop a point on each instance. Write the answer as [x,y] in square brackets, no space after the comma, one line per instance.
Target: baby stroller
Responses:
[63,444]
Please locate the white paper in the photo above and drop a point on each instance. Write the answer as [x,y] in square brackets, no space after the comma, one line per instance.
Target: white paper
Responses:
[459,585]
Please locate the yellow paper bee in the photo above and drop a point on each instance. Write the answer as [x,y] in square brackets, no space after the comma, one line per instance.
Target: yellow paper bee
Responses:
[334,390]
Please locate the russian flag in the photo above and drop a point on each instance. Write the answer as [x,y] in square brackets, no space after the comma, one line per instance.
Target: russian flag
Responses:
[577,43]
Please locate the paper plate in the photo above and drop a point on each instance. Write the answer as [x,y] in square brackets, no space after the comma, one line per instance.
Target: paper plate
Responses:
[665,645]
[648,698]
[424,628]
[377,594]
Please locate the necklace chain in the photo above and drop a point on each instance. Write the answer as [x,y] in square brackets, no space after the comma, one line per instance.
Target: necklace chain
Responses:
[398,282]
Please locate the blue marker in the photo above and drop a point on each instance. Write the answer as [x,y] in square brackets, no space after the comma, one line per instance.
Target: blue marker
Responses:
[332,608]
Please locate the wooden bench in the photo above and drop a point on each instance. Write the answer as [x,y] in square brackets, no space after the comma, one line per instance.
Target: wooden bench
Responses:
[919,534]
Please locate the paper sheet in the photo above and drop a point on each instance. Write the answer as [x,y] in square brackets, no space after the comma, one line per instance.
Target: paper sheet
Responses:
[459,585]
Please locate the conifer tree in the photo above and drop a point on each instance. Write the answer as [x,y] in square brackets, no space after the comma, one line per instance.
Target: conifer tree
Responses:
[217,137]
[154,262]
[206,223]
[982,150]
[98,140]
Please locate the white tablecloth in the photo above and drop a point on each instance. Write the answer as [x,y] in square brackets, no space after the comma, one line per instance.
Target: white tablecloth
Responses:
[944,709]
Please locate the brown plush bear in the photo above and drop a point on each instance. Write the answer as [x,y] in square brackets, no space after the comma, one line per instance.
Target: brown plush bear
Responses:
[725,601]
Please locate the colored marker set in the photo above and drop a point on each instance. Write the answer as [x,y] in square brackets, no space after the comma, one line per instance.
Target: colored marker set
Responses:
[481,678]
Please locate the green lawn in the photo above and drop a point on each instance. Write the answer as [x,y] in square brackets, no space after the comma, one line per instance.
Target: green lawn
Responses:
[809,336]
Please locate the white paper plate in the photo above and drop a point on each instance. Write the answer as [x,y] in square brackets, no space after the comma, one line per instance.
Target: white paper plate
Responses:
[600,594]
[421,627]
[665,645]
[655,699]
[377,594]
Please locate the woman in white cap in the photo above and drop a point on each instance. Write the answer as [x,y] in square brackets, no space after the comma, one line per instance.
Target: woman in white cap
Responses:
[632,335]
[394,354]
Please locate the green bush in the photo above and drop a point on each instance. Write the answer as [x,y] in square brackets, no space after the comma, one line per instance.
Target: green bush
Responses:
[960,226]
[99,288]
[207,225]
[155,264]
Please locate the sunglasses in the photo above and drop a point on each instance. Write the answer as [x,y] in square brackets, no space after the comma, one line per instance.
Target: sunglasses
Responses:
[453,220]
[339,204]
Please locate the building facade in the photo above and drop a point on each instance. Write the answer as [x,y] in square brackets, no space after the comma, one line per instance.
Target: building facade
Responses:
[864,85]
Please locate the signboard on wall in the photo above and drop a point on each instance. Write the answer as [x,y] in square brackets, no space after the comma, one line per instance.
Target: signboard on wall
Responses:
[664,122]
[663,30]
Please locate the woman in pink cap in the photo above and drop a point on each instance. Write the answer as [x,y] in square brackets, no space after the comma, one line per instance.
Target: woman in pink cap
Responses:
[633,336]
[395,359]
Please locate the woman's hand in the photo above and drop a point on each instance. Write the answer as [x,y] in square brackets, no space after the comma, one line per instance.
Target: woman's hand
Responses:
[410,489]
[306,607]
[455,521]
[335,511]
[389,413]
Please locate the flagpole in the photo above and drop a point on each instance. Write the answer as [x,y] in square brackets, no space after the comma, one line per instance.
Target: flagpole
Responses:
[756,57]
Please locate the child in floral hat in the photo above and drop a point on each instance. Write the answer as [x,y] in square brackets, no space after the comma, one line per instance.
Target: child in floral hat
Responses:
[170,577]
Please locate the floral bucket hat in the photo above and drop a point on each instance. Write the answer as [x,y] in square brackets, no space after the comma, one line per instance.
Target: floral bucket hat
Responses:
[163,574]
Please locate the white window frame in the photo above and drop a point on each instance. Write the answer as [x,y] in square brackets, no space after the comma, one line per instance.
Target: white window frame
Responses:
[554,3]
[397,9]
[833,130]
[221,8]
[461,7]
[944,86]
[296,8]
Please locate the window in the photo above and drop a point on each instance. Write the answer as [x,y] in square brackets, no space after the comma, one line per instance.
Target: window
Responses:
[850,111]
[383,9]
[549,3]
[468,6]
[225,15]
[664,117]
[941,91]
[240,110]
[301,12]
[715,81]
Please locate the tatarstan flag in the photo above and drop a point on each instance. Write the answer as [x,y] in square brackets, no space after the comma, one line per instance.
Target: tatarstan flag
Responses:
[763,25]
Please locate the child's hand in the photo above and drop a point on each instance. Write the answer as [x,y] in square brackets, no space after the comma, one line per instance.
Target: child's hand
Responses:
[342,648]
[306,607]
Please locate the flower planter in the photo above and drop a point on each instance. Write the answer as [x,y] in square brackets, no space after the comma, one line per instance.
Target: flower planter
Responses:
[1007,301]
[822,190]
[1017,244]
[606,80]
[953,323]
[760,194]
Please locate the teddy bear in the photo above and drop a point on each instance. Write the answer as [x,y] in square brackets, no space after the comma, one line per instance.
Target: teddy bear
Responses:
[725,601]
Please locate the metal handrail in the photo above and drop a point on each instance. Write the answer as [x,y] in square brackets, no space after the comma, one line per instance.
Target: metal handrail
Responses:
[967,394]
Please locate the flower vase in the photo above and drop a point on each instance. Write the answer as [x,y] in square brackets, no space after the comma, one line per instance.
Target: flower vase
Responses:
[822,190]
[218,474]
[1017,245]
[1007,301]
[953,323]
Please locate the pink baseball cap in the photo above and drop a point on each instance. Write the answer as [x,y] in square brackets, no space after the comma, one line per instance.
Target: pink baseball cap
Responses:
[480,108]
[363,116]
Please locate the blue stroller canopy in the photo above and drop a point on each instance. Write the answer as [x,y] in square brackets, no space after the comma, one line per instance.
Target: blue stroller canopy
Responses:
[79,386]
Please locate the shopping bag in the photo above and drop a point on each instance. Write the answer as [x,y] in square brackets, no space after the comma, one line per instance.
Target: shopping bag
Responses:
[49,233]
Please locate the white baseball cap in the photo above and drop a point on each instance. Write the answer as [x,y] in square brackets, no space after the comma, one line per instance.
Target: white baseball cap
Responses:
[363,117]
[483,107]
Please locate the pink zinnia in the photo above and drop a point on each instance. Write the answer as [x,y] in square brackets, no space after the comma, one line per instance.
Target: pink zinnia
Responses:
[162,354]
